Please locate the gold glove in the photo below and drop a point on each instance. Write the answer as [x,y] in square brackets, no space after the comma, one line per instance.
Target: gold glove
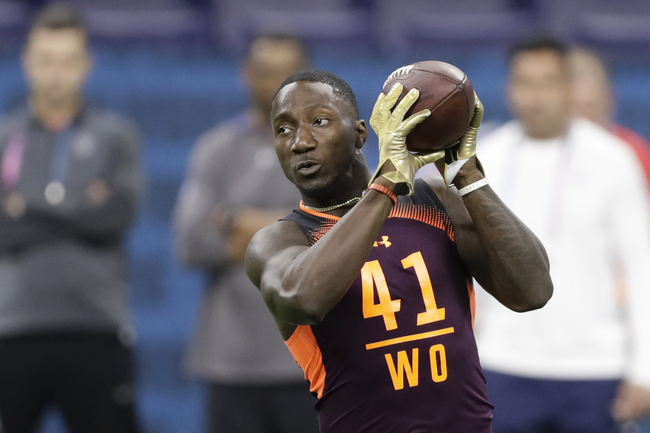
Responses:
[458,155]
[392,129]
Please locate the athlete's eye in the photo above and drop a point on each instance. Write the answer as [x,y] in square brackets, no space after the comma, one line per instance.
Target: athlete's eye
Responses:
[321,121]
[282,130]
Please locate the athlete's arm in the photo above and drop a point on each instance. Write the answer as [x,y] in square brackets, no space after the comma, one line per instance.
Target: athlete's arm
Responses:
[504,256]
[301,284]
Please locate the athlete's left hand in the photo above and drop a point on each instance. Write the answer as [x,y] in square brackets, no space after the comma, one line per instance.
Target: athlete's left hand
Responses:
[392,129]
[456,156]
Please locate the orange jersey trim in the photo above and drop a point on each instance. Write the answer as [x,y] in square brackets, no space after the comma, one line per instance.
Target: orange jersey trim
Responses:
[303,346]
[318,214]
[472,301]
[426,214]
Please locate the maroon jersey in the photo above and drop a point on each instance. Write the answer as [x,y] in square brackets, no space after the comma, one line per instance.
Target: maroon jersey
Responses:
[397,353]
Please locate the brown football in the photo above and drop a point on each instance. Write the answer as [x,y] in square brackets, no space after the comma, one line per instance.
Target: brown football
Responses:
[447,92]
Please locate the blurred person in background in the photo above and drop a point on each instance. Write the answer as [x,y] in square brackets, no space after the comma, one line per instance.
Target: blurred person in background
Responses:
[71,181]
[581,364]
[235,187]
[594,99]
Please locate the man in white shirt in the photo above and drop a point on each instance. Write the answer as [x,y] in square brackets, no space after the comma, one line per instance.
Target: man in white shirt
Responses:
[581,364]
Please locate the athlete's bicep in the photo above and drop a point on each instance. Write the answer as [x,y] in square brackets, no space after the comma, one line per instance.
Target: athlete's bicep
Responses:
[270,254]
[502,254]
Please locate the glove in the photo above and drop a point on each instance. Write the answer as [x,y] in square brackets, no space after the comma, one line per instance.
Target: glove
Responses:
[392,130]
[458,155]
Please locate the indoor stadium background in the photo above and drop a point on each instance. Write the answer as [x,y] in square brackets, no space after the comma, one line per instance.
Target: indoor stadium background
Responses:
[172,65]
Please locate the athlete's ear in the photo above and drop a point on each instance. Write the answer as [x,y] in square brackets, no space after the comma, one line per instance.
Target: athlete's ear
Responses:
[362,133]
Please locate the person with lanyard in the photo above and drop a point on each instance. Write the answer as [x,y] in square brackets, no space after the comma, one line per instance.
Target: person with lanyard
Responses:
[370,279]
[582,364]
[71,180]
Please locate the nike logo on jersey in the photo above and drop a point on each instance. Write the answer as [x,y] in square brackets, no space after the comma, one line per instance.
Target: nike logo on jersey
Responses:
[384,241]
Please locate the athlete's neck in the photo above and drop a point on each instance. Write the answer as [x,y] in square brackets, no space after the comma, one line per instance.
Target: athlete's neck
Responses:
[336,195]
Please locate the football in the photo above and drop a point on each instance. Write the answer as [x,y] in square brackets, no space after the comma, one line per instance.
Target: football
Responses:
[447,92]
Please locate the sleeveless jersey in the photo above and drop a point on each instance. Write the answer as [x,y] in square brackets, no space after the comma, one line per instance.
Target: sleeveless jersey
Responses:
[397,352]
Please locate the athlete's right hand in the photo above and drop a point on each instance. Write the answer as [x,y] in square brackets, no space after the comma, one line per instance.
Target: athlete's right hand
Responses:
[391,128]
[457,155]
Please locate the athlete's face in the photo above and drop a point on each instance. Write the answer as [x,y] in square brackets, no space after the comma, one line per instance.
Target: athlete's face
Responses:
[56,63]
[317,136]
[539,92]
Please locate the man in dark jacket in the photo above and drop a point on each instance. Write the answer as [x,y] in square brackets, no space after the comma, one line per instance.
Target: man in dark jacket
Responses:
[70,181]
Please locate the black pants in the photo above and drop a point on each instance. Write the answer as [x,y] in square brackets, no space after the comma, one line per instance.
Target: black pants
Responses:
[261,409]
[89,377]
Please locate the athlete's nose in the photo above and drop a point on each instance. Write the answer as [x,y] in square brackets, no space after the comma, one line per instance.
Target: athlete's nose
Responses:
[304,140]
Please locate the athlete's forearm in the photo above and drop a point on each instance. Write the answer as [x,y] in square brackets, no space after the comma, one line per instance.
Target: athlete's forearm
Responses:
[515,267]
[320,276]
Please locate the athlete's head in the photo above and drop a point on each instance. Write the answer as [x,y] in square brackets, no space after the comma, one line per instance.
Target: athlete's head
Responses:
[538,87]
[318,134]
[338,85]
[592,95]
[56,58]
[269,60]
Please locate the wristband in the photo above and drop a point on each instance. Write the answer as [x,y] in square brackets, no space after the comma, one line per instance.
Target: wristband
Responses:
[382,189]
[473,186]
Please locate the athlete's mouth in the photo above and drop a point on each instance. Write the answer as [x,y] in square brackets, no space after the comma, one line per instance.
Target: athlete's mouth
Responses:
[306,168]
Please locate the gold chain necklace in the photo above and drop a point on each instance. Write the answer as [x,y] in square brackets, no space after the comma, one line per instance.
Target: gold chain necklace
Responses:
[353,200]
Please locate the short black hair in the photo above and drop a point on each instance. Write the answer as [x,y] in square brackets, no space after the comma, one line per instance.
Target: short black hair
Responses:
[538,43]
[57,16]
[338,85]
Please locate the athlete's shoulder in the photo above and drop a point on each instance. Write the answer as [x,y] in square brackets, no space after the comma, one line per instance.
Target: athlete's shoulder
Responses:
[270,242]
[303,218]
[313,224]
[280,233]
